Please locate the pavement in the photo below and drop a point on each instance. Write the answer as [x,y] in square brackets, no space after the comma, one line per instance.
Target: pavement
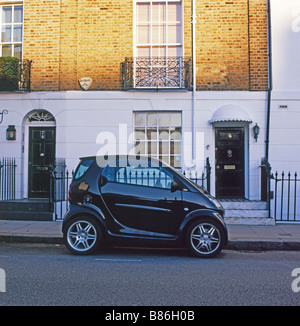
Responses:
[241,236]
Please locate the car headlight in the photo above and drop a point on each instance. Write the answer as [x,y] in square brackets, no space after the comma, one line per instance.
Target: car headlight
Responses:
[216,203]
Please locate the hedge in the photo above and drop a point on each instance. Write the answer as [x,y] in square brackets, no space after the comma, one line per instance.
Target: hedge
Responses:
[9,73]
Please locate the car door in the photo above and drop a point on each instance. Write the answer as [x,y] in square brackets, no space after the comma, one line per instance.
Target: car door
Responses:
[140,198]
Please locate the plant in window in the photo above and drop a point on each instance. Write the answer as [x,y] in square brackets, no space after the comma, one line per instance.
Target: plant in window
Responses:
[9,73]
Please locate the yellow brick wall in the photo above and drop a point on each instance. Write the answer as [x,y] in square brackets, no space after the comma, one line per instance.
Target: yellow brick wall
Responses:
[231,53]
[68,78]
[104,40]
[41,42]
[258,44]
[71,39]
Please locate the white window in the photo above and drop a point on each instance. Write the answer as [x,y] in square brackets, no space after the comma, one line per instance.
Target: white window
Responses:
[11,37]
[158,44]
[158,28]
[158,134]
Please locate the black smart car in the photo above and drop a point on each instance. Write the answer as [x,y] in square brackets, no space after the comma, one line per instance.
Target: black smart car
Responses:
[131,198]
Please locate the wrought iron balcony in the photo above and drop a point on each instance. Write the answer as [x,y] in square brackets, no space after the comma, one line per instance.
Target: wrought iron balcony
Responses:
[157,73]
[24,75]
[14,74]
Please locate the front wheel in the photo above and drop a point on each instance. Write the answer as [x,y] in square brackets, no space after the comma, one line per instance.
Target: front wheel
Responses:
[83,235]
[205,238]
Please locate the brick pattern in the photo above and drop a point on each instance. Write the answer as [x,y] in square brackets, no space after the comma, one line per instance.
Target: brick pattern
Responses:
[71,39]
[41,42]
[258,36]
[222,45]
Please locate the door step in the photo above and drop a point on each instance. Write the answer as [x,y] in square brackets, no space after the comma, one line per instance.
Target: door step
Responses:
[246,212]
[26,210]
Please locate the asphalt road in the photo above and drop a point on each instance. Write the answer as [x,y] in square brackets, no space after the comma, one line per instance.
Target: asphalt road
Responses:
[37,274]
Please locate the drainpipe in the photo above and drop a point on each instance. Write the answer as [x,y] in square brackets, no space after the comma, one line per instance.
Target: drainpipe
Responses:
[194,77]
[270,87]
[270,81]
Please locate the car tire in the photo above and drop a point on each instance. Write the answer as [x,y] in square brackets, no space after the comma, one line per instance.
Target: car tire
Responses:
[82,235]
[205,238]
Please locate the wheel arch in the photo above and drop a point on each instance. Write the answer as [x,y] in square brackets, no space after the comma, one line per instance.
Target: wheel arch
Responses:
[199,214]
[97,216]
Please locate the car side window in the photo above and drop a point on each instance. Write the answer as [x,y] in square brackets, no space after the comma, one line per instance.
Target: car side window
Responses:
[156,177]
[109,173]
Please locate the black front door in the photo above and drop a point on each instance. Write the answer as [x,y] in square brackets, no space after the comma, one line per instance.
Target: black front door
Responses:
[41,159]
[230,162]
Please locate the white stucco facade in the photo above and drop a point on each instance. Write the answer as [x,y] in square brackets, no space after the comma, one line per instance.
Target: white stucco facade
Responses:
[86,121]
[93,122]
[285,109]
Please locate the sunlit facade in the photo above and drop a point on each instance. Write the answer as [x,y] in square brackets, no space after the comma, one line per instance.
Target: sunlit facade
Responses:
[185,81]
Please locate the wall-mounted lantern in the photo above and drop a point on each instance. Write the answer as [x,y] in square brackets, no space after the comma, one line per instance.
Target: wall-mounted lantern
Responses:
[256,129]
[11,133]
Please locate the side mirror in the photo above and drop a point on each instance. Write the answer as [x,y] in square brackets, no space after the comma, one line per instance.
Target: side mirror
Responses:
[174,186]
[102,181]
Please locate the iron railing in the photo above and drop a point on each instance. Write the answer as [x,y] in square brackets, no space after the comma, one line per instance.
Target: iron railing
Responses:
[157,73]
[24,75]
[281,192]
[7,179]
[60,179]
[201,179]
[286,199]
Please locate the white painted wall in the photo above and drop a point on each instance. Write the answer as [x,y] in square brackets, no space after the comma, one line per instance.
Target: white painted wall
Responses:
[285,20]
[285,109]
[81,117]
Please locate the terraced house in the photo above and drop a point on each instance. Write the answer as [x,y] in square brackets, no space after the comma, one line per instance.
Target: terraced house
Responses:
[187,81]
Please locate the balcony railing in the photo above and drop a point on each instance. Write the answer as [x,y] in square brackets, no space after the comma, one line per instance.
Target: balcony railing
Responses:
[14,75]
[24,75]
[157,73]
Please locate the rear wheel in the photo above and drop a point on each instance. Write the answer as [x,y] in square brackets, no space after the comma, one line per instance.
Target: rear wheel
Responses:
[205,238]
[83,235]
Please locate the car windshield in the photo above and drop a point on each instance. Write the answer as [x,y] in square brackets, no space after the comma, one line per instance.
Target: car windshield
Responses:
[192,184]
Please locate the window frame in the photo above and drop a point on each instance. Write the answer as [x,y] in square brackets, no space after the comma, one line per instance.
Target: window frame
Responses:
[159,64]
[13,24]
[151,23]
[159,143]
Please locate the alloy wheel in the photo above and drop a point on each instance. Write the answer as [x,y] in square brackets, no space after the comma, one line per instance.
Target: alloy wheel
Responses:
[205,239]
[82,236]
